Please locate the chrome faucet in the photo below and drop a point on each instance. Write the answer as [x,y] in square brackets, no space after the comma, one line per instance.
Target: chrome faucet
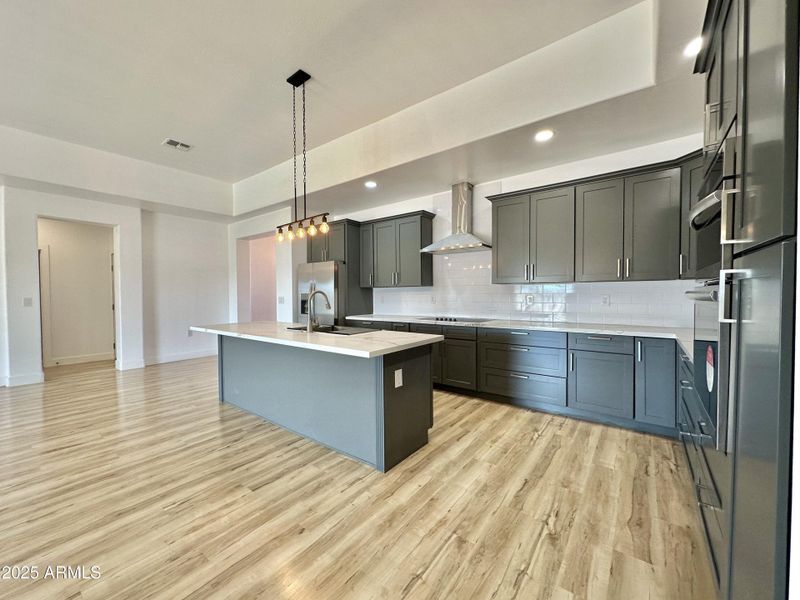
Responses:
[312,317]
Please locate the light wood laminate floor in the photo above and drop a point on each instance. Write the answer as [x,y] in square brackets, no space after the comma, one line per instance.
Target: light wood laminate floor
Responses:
[173,495]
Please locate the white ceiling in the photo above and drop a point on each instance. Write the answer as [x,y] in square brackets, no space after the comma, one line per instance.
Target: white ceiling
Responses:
[121,76]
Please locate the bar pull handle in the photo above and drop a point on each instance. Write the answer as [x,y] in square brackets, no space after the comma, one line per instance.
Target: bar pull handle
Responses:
[370,280]
[724,300]
[526,272]
[518,332]
[627,268]
[680,264]
[533,271]
[518,348]
[619,268]
[515,376]
[571,361]
[639,350]
[598,337]
[726,224]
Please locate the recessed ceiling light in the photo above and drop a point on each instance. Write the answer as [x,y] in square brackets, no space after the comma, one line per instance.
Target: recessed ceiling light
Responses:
[544,135]
[370,184]
[693,48]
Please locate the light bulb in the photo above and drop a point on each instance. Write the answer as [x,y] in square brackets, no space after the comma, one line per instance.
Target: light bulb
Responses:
[280,235]
[312,229]
[301,233]
[290,233]
[324,228]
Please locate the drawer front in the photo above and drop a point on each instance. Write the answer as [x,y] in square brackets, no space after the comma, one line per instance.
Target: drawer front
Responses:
[619,344]
[367,324]
[399,327]
[524,387]
[524,337]
[459,333]
[530,359]
[425,328]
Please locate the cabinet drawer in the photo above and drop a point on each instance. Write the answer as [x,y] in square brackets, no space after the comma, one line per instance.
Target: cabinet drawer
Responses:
[367,324]
[530,359]
[524,337]
[459,333]
[524,386]
[425,328]
[398,326]
[597,342]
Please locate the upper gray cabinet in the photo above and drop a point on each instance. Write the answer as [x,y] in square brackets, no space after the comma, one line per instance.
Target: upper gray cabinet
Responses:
[511,239]
[691,182]
[533,238]
[652,226]
[367,272]
[331,245]
[552,229]
[396,257]
[599,210]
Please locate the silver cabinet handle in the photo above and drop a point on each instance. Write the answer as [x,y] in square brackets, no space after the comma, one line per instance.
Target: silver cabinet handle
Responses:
[370,280]
[639,350]
[526,273]
[533,271]
[515,376]
[726,220]
[366,322]
[518,348]
[518,332]
[571,361]
[723,293]
[680,264]
[627,268]
[619,268]
[598,337]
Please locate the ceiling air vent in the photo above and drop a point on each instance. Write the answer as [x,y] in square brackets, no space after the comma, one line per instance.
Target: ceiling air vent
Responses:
[176,144]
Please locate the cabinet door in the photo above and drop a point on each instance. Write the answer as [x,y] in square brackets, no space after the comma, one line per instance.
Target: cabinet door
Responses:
[655,380]
[409,259]
[366,256]
[600,383]
[436,362]
[337,242]
[652,225]
[691,182]
[598,230]
[729,68]
[385,252]
[459,363]
[511,236]
[316,248]
[713,93]
[552,252]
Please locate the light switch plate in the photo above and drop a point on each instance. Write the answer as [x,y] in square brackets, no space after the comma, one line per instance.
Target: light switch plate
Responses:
[280,299]
[27,302]
[398,378]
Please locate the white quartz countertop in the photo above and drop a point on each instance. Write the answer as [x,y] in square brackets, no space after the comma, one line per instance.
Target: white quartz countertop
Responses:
[684,336]
[362,345]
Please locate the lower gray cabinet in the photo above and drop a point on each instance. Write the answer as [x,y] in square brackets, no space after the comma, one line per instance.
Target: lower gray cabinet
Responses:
[524,387]
[459,361]
[601,383]
[655,380]
[530,359]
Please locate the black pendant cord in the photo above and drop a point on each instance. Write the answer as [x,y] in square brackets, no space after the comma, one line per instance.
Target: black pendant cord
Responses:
[294,146]
[304,149]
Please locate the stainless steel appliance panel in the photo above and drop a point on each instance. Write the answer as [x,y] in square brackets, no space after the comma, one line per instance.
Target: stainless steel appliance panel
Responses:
[323,276]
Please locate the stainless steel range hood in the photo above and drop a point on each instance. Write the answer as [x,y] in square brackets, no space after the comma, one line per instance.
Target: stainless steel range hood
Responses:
[461,240]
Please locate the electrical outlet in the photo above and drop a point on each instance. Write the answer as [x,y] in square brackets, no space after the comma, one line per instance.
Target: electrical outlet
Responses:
[605,300]
[189,333]
[529,299]
[27,302]
[280,299]
[433,299]
[398,378]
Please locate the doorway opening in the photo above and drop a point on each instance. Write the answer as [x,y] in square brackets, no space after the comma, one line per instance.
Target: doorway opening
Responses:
[76,288]
[256,290]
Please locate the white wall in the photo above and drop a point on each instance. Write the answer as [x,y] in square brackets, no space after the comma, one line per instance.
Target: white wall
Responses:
[185,282]
[263,291]
[3,320]
[77,295]
[243,312]
[22,208]
[462,282]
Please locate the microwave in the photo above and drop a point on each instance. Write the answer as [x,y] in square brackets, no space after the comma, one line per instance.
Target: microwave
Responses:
[710,218]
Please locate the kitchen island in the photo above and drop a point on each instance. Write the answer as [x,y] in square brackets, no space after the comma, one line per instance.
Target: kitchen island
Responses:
[368,396]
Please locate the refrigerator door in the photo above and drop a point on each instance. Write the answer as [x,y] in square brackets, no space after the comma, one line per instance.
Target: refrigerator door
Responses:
[325,277]
[764,329]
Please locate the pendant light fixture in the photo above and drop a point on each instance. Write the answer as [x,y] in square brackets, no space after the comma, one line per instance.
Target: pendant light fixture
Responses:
[296,228]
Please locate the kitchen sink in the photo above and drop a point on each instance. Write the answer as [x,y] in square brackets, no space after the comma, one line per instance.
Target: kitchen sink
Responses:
[334,329]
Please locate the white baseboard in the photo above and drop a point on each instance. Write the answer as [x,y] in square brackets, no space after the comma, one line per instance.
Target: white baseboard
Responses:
[25,379]
[79,358]
[178,356]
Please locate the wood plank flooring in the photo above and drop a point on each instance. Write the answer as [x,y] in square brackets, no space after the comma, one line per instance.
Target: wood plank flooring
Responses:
[172,495]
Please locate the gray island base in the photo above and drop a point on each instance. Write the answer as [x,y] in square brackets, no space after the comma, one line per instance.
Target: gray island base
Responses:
[374,409]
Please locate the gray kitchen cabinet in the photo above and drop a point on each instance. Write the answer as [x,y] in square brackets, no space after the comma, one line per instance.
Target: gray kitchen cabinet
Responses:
[436,349]
[655,380]
[528,359]
[385,253]
[691,183]
[366,273]
[459,361]
[552,236]
[599,210]
[329,246]
[397,260]
[652,226]
[511,239]
[527,389]
[600,383]
[316,248]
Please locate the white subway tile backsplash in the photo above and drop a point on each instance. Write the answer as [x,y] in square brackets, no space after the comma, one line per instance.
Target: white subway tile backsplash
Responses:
[463,288]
